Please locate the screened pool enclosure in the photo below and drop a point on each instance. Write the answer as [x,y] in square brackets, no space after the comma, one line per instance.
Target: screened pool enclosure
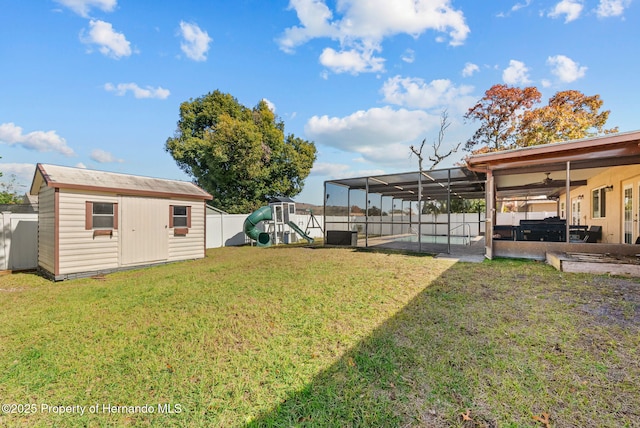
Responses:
[410,210]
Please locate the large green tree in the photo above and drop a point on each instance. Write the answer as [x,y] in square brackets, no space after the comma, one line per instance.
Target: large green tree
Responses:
[240,155]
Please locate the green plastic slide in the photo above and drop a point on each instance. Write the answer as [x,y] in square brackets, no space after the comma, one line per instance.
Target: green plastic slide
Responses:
[262,239]
[300,232]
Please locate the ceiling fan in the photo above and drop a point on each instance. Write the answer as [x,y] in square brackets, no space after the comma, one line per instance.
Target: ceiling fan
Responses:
[545,185]
[548,180]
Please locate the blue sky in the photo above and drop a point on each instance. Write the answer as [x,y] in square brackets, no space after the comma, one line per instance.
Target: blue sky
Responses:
[98,83]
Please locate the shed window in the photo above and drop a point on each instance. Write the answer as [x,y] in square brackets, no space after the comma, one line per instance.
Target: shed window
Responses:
[180,219]
[598,203]
[101,215]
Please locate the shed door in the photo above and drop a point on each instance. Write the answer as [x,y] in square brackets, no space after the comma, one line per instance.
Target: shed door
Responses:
[144,231]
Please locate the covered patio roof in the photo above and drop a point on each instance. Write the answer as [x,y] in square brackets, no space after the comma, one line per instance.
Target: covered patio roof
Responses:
[462,182]
[554,170]
[542,170]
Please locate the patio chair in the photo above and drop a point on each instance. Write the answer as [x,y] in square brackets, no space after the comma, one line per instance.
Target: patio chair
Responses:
[593,234]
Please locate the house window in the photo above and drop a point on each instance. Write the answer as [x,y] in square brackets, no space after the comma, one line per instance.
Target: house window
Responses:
[101,216]
[180,219]
[598,203]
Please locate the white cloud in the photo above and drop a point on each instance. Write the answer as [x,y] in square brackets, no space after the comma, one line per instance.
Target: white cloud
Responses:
[330,169]
[469,69]
[378,134]
[22,171]
[81,165]
[314,15]
[40,141]
[102,156]
[570,8]
[546,83]
[409,56]
[416,93]
[138,92]
[351,61]
[608,8]
[362,25]
[82,7]
[519,6]
[516,7]
[195,43]
[566,69]
[336,170]
[271,105]
[110,42]
[516,74]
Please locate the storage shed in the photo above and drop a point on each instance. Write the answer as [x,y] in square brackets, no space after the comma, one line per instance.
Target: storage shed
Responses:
[93,222]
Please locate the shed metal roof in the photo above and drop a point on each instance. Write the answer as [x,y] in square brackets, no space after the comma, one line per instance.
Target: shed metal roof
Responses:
[64,177]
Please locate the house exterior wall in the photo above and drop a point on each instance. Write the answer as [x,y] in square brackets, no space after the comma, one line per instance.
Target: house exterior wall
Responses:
[541,207]
[612,222]
[46,228]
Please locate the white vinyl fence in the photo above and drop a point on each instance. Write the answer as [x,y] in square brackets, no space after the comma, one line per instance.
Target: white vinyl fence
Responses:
[225,230]
[513,219]
[19,236]
[459,224]
[18,241]
[19,232]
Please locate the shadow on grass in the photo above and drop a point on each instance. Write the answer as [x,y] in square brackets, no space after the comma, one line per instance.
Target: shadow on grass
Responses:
[497,343]
[382,380]
[379,250]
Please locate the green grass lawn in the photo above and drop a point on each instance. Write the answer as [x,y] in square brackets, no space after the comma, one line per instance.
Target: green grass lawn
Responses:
[321,337]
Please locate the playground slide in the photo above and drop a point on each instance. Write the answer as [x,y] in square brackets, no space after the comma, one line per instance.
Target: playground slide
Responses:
[300,232]
[263,239]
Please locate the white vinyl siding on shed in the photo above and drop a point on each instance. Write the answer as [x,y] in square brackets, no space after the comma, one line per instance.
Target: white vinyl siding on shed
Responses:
[79,250]
[191,245]
[98,222]
[46,229]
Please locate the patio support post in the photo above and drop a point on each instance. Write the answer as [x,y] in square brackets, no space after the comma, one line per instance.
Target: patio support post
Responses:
[568,201]
[419,211]
[490,215]
[449,211]
[393,208]
[349,209]
[366,212]
[324,212]
[381,214]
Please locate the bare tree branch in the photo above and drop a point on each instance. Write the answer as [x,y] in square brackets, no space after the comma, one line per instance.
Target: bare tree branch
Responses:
[419,153]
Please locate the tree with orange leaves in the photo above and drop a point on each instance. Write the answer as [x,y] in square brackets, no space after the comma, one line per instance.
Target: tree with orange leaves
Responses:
[508,120]
[570,115]
[500,112]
